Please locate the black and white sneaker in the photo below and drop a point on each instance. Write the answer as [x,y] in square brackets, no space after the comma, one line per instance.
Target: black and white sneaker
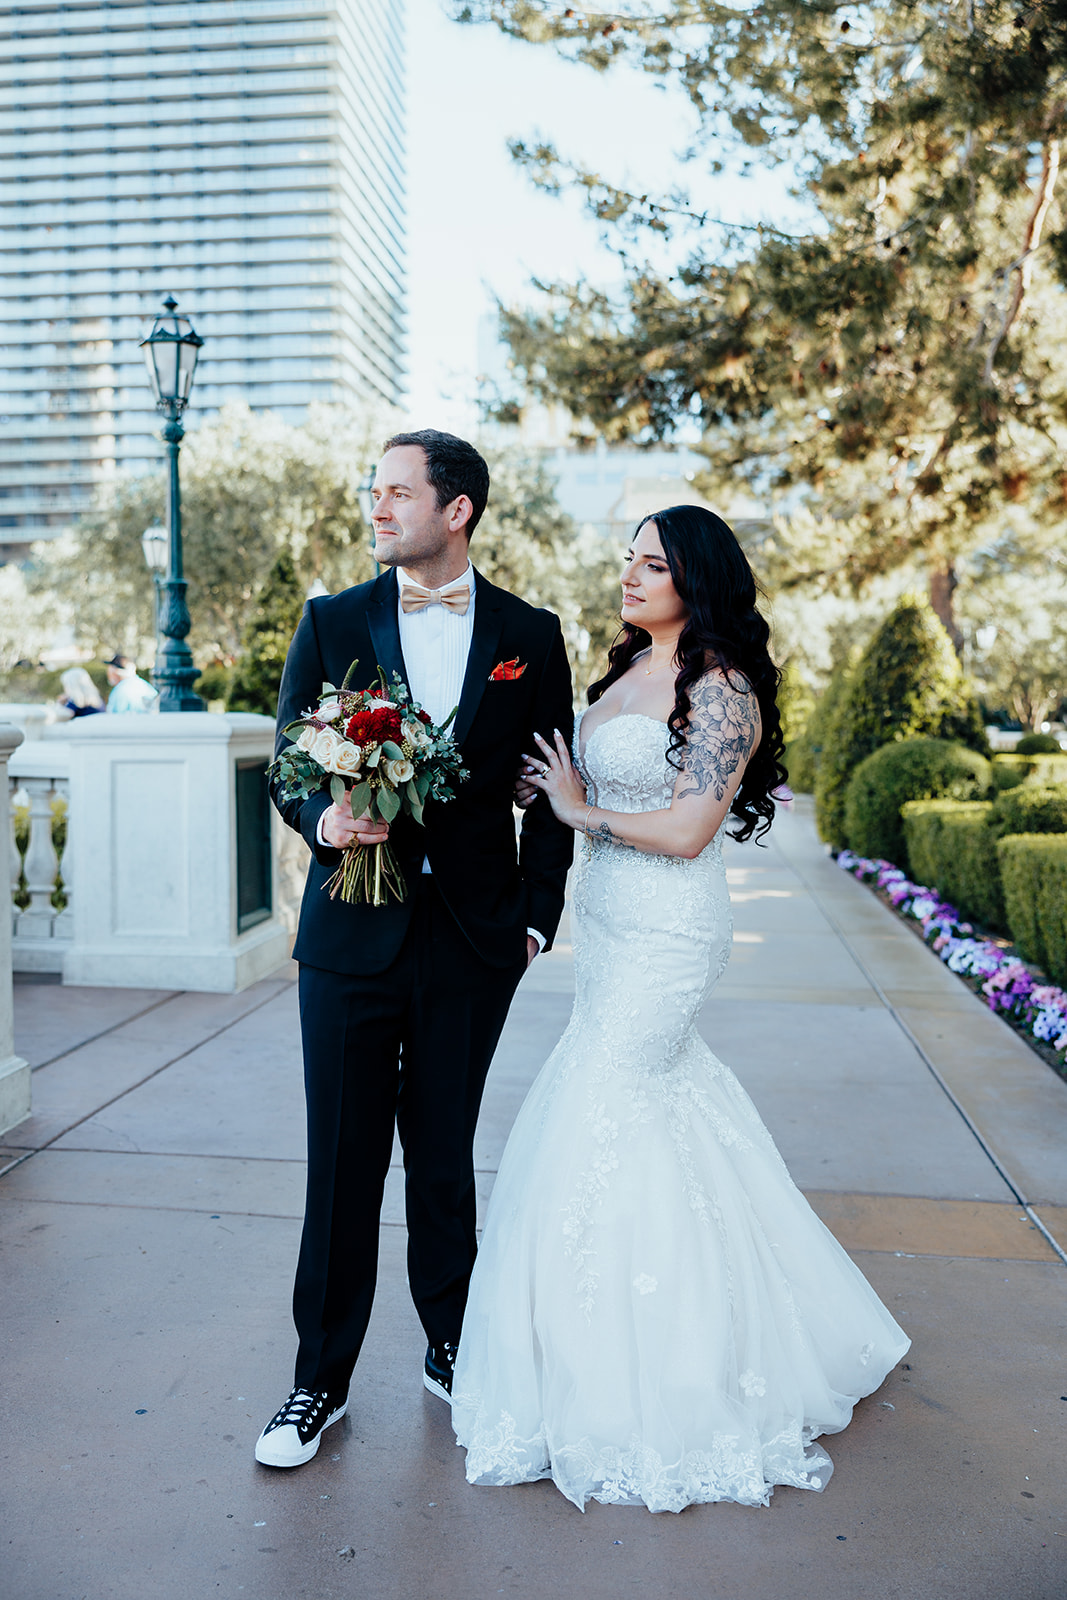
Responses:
[440,1365]
[292,1435]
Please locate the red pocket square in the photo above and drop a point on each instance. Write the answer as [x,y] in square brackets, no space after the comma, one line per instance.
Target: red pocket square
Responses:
[505,671]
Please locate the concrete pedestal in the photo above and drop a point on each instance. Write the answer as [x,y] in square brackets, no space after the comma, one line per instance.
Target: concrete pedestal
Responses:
[172,892]
[14,1072]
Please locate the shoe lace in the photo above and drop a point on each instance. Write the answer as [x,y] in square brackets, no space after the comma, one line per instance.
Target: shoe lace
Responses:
[300,1405]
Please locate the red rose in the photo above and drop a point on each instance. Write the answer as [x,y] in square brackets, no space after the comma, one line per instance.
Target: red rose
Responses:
[374,727]
[424,716]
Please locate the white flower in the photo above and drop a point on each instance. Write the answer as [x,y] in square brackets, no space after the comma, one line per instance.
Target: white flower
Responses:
[644,1284]
[380,705]
[329,711]
[307,738]
[752,1383]
[326,742]
[398,772]
[346,759]
[417,734]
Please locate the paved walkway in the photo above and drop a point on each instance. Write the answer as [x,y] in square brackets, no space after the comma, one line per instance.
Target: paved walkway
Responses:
[149,1217]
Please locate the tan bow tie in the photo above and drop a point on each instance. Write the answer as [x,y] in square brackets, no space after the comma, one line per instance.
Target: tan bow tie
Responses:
[412,598]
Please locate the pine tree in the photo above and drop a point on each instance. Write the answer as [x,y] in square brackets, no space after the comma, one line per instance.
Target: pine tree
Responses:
[902,365]
[908,683]
[257,675]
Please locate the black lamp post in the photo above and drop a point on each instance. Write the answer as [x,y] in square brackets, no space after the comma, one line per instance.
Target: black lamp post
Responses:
[170,353]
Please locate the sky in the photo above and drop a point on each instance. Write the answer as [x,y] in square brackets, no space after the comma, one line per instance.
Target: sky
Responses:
[477,228]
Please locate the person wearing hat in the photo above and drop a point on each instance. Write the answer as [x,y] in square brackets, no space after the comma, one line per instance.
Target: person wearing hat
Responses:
[128,691]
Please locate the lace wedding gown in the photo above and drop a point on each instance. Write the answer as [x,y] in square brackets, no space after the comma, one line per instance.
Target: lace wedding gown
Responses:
[656,1314]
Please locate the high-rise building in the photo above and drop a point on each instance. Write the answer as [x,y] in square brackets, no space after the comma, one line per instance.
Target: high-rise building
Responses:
[245,156]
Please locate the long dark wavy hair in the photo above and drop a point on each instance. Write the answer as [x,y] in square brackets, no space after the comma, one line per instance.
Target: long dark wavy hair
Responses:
[724,630]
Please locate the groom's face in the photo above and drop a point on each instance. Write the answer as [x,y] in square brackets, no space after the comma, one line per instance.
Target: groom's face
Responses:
[408,527]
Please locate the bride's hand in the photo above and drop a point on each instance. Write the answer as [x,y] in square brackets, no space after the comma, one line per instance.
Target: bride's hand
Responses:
[556,776]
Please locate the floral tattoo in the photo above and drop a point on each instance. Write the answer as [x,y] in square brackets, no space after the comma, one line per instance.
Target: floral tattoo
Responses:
[606,836]
[723,725]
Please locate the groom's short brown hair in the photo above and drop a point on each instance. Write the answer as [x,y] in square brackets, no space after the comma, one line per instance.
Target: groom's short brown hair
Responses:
[453,467]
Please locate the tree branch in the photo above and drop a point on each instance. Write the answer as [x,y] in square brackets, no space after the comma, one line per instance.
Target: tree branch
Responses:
[1050,166]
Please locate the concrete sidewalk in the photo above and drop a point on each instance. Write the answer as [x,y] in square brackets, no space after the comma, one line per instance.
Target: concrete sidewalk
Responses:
[149,1218]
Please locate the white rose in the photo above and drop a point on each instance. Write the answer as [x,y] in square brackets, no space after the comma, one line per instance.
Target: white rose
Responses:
[346,759]
[307,738]
[416,733]
[329,711]
[322,751]
[380,705]
[398,772]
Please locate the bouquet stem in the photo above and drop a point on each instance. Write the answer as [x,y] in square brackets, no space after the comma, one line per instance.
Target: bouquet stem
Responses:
[368,875]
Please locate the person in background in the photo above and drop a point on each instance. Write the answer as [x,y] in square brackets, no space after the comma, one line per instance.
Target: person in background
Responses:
[128,691]
[79,694]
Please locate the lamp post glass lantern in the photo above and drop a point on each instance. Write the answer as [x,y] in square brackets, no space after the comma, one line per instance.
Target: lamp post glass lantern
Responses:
[170,353]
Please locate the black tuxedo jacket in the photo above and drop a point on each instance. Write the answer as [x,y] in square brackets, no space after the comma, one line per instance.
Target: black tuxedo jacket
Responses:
[493,888]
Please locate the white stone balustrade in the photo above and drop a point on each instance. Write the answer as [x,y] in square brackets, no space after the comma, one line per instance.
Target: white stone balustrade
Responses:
[14,1072]
[39,773]
[156,881]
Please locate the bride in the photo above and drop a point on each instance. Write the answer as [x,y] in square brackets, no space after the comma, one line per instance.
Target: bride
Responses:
[656,1315]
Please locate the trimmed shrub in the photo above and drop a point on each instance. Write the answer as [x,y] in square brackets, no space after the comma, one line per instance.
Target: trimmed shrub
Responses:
[1031,809]
[910,769]
[1009,771]
[1033,872]
[908,684]
[952,848]
[257,674]
[804,753]
[1037,744]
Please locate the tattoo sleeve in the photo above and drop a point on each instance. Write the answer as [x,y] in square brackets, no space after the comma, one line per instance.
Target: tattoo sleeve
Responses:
[723,726]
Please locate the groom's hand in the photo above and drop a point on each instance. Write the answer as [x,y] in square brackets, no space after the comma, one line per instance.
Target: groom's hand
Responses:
[341,829]
[532,949]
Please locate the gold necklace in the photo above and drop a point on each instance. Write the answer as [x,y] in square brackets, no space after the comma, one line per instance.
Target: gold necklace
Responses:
[650,670]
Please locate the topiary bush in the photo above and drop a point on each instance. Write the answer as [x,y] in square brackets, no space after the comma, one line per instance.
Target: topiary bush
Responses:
[1033,872]
[951,847]
[908,684]
[1009,771]
[909,769]
[257,673]
[1037,744]
[1032,808]
[804,753]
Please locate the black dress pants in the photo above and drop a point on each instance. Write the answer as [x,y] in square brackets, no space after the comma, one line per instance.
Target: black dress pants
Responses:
[409,1047]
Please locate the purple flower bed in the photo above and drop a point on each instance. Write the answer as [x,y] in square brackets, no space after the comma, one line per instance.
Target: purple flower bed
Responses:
[1038,1010]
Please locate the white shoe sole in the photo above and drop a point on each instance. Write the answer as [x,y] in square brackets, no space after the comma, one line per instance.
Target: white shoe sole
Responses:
[436,1388]
[269,1455]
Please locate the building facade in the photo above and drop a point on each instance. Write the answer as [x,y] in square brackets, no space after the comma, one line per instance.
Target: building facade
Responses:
[245,156]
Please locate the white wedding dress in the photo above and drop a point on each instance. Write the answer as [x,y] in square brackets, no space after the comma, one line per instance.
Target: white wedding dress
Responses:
[656,1314]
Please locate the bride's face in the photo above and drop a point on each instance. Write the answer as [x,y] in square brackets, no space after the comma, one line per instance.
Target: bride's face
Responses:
[649,598]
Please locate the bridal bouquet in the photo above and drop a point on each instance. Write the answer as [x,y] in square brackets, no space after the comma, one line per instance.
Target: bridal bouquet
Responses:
[380,747]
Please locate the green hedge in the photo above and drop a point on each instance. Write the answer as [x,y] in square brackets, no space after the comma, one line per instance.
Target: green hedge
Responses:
[910,769]
[1011,770]
[1033,872]
[1037,744]
[1031,808]
[908,684]
[952,848]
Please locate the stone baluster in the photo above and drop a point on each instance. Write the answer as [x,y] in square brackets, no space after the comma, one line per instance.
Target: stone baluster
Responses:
[64,924]
[16,857]
[41,863]
[14,1072]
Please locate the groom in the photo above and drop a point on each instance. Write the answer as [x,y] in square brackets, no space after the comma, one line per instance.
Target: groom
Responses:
[401,1005]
